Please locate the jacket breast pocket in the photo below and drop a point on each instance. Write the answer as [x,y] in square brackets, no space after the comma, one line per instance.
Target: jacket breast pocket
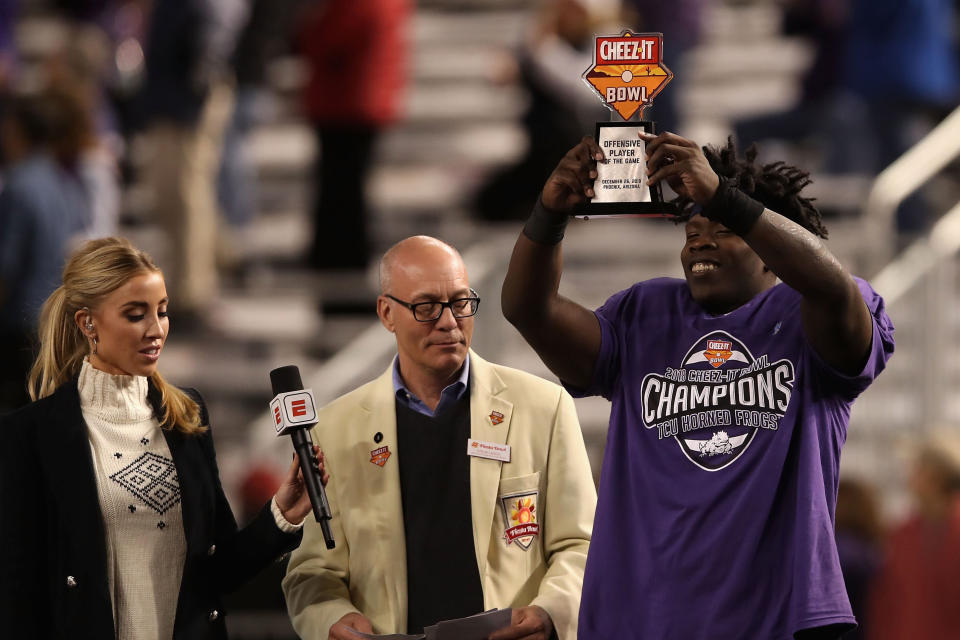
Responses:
[520,515]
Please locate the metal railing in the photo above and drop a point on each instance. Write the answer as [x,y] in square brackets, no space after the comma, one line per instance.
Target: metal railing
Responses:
[918,259]
[903,177]
[918,287]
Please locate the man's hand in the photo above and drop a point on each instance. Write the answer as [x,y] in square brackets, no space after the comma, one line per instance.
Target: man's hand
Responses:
[571,183]
[528,623]
[682,164]
[341,630]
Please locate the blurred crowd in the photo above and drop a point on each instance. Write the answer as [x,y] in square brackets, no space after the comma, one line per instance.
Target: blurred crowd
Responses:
[85,84]
[901,579]
[883,74]
[188,81]
[98,96]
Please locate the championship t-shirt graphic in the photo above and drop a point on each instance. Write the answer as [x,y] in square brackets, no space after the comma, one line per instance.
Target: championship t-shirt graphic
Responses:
[716,401]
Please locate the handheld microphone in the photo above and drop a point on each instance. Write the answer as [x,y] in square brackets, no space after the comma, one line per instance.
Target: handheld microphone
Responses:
[294,412]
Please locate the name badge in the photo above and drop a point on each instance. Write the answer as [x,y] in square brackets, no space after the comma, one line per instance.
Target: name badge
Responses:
[490,450]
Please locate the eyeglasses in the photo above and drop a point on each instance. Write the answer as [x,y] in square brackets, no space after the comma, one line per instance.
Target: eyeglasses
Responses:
[430,311]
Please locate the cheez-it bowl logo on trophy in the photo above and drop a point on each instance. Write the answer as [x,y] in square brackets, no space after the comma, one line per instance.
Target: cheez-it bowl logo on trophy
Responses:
[628,71]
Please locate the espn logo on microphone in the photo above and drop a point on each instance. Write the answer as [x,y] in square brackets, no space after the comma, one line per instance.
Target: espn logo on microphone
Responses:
[293,409]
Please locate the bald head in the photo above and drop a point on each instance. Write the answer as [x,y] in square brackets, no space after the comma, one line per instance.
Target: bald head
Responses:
[417,256]
[424,270]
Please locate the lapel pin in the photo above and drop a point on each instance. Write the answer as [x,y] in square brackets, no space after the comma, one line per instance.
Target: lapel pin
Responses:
[380,456]
[496,417]
[378,437]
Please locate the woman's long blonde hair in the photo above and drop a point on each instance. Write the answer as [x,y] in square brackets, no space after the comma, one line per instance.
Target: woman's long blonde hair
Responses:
[93,272]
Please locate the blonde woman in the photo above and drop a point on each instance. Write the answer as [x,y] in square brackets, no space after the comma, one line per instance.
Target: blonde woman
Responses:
[113,521]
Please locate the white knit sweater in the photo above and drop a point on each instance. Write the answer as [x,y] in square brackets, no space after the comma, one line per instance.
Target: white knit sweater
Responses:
[140,500]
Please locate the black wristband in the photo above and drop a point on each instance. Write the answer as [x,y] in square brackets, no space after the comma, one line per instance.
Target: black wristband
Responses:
[732,208]
[545,227]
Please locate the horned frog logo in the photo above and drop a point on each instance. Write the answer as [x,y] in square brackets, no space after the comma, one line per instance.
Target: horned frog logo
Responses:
[521,518]
[628,71]
[720,443]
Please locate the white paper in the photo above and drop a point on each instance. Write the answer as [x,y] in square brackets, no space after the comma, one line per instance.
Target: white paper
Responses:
[476,627]
[623,177]
[391,636]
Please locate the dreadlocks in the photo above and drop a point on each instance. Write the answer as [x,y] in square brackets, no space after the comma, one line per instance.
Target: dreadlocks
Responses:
[776,186]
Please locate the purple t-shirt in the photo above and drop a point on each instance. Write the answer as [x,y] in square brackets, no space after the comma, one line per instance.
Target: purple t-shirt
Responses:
[719,480]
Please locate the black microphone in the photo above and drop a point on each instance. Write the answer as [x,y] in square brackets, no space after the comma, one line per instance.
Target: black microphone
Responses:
[294,413]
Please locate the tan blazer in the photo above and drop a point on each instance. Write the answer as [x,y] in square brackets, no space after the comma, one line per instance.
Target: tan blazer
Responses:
[366,572]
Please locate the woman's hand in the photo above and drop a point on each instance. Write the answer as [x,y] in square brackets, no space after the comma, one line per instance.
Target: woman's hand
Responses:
[292,497]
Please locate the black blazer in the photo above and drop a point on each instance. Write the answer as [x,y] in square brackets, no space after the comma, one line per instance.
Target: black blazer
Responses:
[53,568]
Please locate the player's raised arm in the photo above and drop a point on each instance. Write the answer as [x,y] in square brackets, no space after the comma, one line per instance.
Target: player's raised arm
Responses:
[566,335]
[836,320]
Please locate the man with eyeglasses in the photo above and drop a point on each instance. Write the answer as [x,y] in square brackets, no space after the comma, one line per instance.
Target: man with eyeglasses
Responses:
[456,485]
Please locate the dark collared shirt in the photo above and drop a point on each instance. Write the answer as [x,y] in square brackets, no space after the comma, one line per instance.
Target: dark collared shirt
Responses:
[448,397]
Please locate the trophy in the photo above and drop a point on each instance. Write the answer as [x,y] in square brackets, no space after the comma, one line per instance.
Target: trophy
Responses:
[627,73]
